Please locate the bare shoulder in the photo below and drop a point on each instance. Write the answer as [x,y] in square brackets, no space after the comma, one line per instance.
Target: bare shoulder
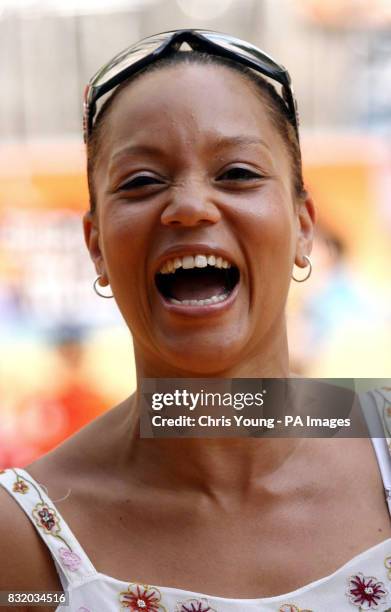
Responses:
[26,563]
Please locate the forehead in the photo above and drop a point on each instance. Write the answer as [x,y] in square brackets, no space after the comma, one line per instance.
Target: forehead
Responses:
[189,105]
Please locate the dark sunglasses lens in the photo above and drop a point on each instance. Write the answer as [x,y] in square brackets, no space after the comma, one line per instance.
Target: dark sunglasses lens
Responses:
[126,58]
[236,45]
[136,52]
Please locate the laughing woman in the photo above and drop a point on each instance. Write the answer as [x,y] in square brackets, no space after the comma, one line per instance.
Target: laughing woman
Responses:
[198,215]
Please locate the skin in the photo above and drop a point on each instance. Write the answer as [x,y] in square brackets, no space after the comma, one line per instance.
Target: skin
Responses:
[170,500]
[256,221]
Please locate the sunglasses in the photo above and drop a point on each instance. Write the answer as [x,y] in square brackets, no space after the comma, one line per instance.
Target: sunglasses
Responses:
[149,50]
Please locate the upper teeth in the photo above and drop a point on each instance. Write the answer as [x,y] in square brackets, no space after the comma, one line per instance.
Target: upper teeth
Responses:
[193,261]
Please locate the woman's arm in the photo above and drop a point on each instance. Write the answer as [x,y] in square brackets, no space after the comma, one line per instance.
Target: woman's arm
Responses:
[25,563]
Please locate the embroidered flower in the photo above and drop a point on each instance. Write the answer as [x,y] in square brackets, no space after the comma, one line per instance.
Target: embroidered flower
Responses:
[46,518]
[366,591]
[70,559]
[194,605]
[83,609]
[20,486]
[387,563]
[141,598]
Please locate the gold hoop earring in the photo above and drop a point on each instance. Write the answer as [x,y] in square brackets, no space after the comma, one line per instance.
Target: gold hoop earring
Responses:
[95,285]
[301,280]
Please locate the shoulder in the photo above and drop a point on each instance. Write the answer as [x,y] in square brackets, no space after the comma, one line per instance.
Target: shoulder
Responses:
[26,562]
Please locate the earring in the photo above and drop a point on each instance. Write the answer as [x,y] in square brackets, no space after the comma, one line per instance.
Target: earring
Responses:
[95,285]
[301,280]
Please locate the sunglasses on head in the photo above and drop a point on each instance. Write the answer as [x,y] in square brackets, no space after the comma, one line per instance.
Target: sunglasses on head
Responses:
[149,50]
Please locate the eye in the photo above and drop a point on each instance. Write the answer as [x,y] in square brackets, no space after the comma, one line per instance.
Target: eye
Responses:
[239,174]
[140,181]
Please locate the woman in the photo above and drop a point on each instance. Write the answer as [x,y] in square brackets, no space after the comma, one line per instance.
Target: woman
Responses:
[194,156]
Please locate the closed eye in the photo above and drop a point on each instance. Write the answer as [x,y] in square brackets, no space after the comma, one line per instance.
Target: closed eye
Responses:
[239,174]
[139,181]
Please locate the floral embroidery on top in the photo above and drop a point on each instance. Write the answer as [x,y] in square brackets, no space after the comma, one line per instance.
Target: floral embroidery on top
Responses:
[142,598]
[387,563]
[20,486]
[194,605]
[70,559]
[46,518]
[292,608]
[366,592]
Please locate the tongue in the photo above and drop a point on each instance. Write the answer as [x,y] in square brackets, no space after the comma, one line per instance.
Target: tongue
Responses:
[197,284]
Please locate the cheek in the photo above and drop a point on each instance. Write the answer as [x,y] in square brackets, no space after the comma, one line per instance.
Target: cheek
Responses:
[125,235]
[271,224]
[269,233]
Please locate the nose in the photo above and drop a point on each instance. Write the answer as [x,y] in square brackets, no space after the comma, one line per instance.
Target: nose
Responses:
[190,206]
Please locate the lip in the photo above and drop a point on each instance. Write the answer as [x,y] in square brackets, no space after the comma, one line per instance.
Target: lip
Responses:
[201,311]
[181,250]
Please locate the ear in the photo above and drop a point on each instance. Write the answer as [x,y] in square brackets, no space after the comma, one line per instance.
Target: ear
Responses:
[306,218]
[91,237]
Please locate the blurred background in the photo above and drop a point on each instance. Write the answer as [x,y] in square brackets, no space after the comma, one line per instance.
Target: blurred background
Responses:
[66,355]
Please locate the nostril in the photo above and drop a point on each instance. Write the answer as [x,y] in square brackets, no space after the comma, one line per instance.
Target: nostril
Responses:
[188,223]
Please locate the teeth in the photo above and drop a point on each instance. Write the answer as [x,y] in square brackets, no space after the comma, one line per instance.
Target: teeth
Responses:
[212,300]
[188,262]
[200,261]
[197,261]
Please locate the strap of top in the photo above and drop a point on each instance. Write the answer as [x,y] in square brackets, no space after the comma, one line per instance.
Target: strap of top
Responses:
[376,407]
[384,459]
[69,556]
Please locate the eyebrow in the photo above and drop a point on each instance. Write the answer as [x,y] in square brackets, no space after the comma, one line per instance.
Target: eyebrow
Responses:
[136,150]
[227,141]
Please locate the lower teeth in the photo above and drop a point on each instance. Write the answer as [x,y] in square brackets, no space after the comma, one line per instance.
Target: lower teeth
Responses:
[213,300]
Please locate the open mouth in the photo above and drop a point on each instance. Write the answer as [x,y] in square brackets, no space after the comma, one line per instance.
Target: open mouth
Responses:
[197,280]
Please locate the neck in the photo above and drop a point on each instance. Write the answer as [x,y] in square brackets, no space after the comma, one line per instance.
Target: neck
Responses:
[209,464]
[214,466]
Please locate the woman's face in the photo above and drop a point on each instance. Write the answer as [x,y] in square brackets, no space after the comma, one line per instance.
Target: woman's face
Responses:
[190,165]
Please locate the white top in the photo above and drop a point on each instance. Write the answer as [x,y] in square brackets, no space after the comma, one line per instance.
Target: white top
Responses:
[364,583]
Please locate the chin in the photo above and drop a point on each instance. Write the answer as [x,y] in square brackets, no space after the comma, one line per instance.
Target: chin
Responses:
[205,354]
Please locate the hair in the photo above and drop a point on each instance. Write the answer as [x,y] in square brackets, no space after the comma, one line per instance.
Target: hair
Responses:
[275,106]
